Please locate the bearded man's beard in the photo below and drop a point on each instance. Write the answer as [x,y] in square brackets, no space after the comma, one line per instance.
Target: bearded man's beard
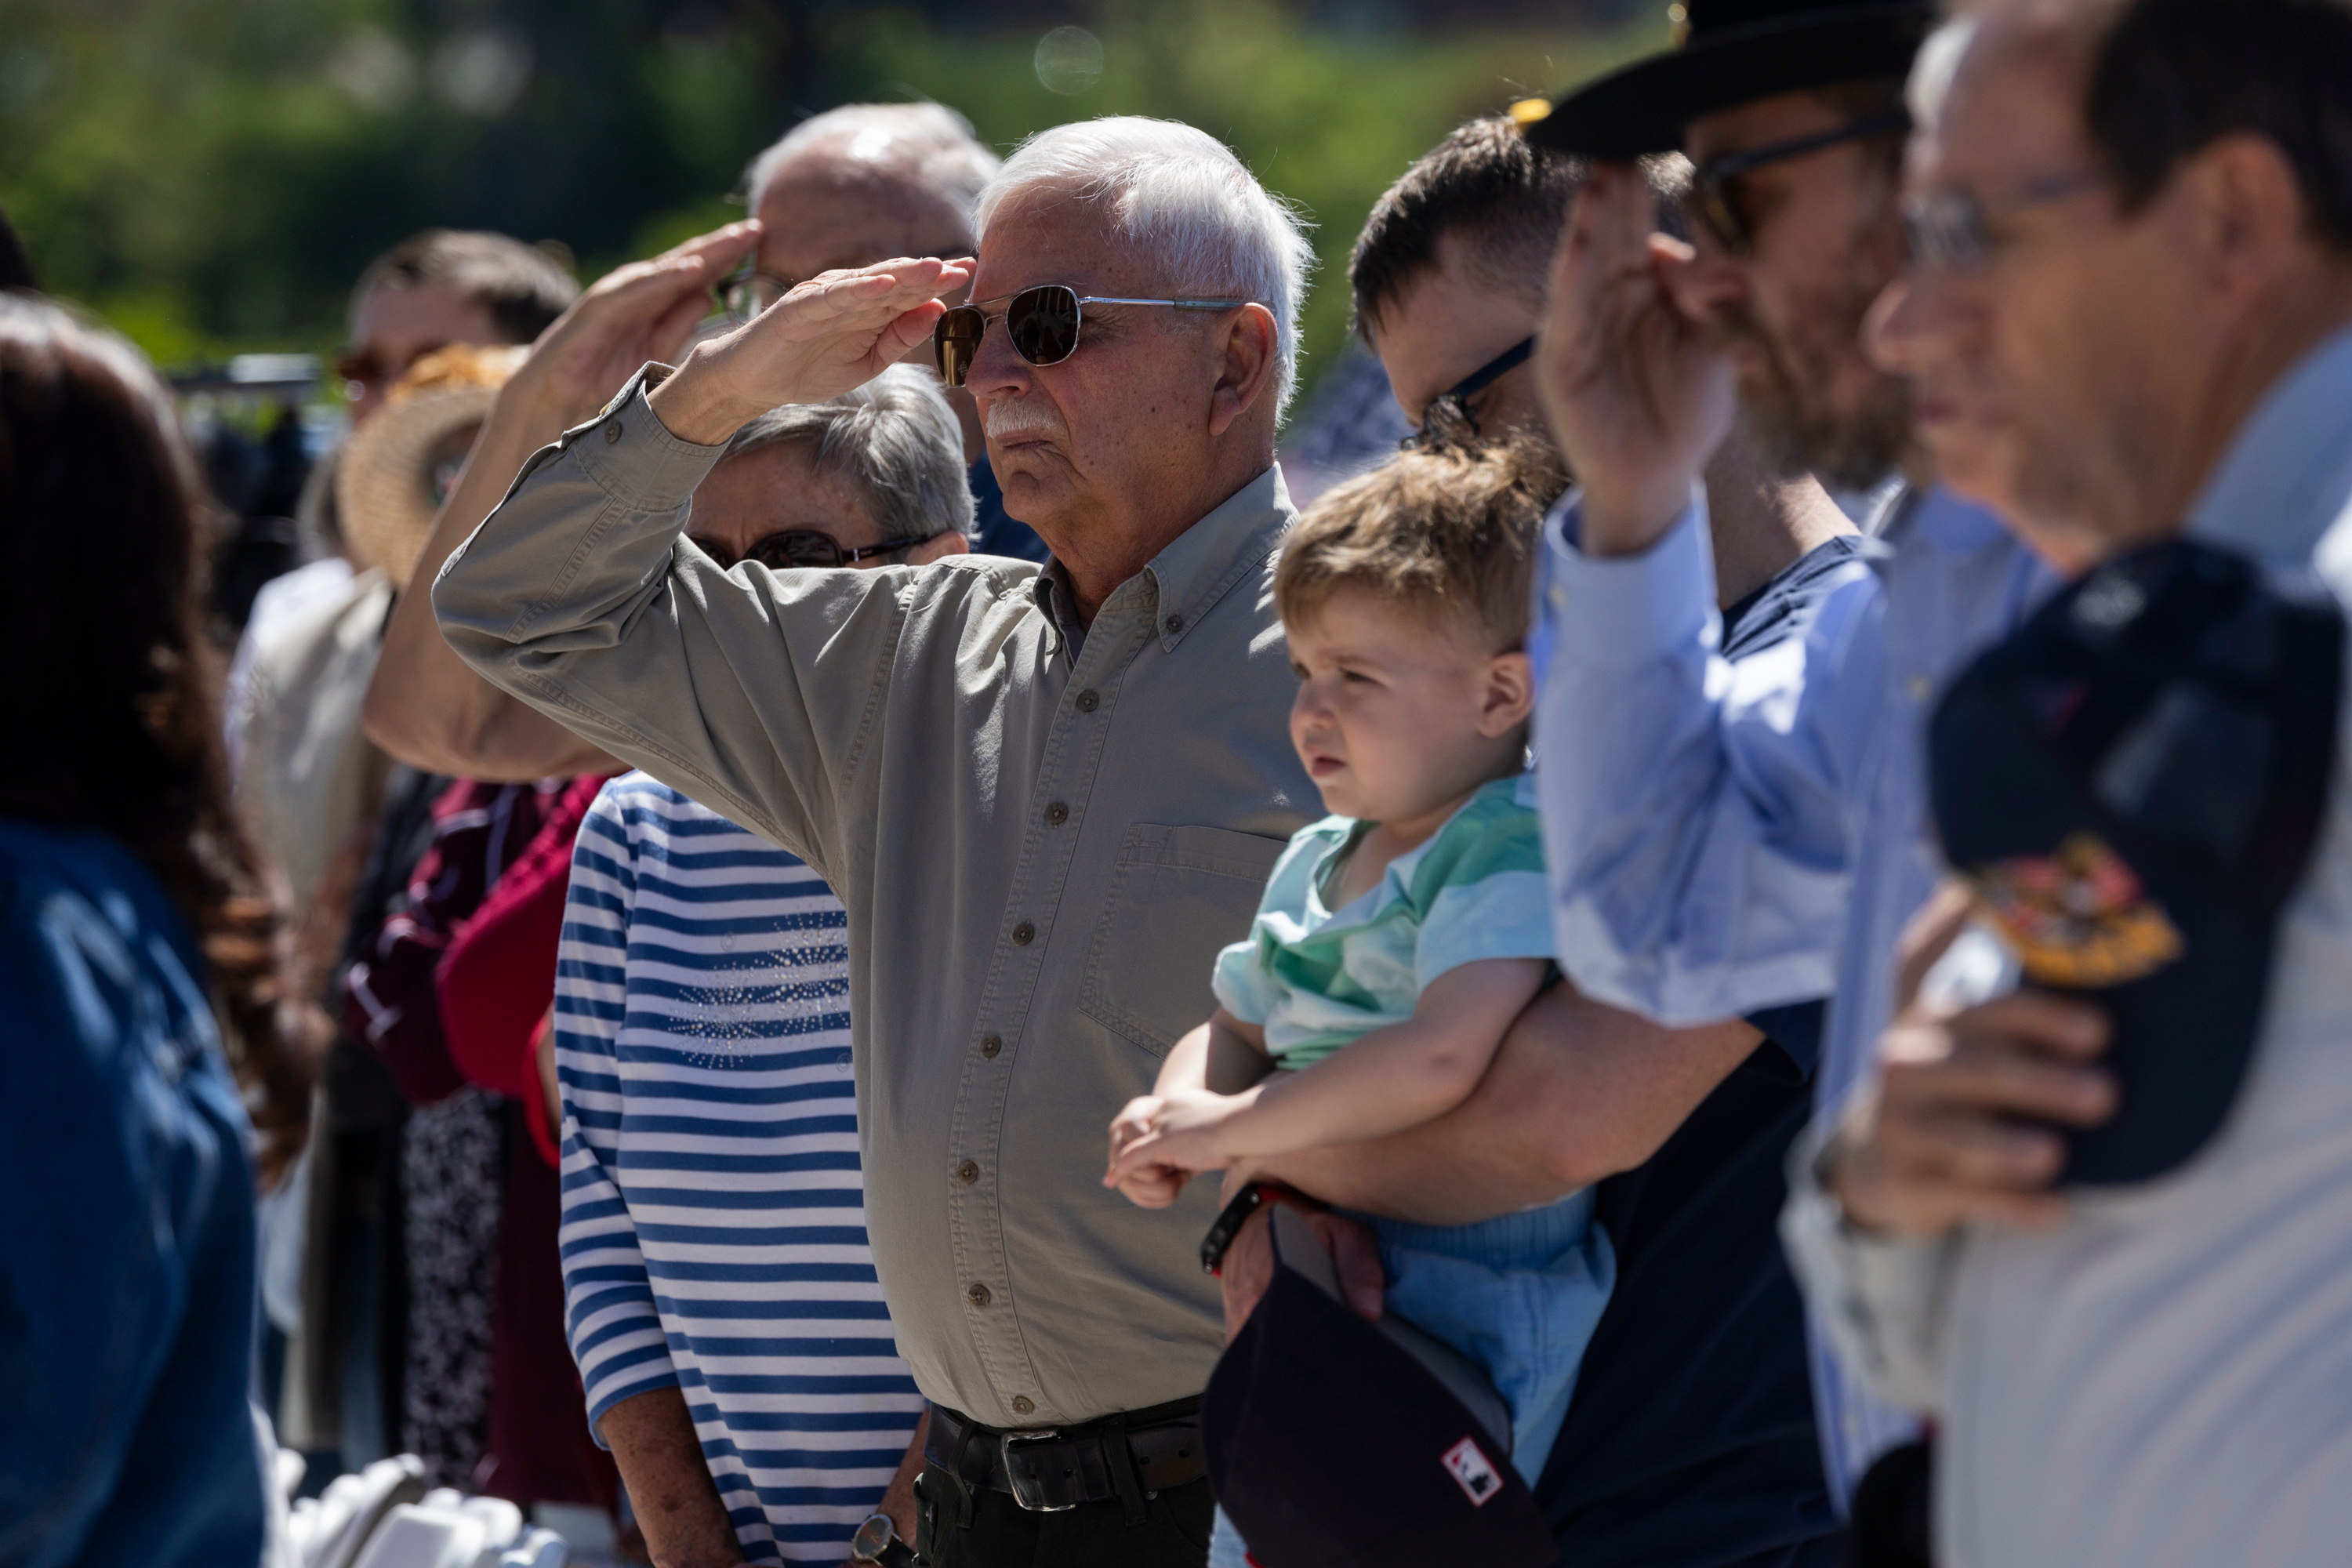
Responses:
[1787,391]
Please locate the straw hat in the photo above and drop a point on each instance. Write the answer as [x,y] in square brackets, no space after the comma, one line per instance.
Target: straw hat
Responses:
[399,467]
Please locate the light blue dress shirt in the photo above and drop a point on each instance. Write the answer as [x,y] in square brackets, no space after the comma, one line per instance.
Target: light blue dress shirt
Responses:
[2159,1381]
[1728,836]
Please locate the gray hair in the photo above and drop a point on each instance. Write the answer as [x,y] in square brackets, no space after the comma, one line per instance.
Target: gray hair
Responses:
[898,441]
[1179,194]
[927,145]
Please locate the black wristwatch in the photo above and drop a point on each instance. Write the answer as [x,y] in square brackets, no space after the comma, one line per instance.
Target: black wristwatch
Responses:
[1251,1199]
[876,1540]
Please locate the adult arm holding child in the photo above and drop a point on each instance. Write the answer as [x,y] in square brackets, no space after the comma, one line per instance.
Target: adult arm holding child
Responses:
[1387,1080]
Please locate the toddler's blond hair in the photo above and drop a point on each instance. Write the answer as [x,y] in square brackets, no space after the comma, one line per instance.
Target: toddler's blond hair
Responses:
[1448,532]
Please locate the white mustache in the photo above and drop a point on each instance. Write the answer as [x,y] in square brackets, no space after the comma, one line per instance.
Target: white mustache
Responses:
[1011,416]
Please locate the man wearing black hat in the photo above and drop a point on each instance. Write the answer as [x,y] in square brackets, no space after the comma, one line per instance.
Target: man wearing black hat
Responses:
[2102,1227]
[1720,844]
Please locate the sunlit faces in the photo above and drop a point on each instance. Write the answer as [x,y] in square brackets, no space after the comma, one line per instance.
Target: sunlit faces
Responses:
[1445,324]
[397,326]
[1826,238]
[818,213]
[1080,445]
[779,488]
[1401,713]
[2043,374]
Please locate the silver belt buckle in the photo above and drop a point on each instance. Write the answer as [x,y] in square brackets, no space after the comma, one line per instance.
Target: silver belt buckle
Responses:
[1027,1490]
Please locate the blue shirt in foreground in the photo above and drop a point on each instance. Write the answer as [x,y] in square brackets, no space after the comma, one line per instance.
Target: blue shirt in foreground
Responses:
[127,1285]
[1691,1442]
[714,1228]
[1726,837]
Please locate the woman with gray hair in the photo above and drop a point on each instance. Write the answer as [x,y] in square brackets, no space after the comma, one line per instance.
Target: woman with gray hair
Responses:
[885,460]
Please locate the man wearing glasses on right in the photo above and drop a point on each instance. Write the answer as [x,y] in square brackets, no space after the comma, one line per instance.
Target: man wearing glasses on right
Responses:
[1719,847]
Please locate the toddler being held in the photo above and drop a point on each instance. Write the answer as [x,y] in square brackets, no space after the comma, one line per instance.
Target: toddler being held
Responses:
[1400,937]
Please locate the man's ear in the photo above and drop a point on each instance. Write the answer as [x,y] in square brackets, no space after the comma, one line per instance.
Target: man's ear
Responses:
[1247,354]
[2246,213]
[1510,694]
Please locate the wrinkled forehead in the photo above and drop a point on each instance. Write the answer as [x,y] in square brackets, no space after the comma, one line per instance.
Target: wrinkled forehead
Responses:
[1047,233]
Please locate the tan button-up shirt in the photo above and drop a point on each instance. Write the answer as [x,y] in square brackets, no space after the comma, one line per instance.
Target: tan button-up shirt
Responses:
[1040,855]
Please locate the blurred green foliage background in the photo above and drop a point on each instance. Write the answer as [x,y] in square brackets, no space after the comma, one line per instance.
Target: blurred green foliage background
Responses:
[211,175]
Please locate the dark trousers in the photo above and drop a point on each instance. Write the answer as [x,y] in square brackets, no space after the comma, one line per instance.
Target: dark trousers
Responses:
[1172,1534]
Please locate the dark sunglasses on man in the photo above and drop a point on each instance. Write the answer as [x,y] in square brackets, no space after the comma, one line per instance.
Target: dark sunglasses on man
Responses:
[1043,324]
[1716,198]
[797,548]
[1448,420]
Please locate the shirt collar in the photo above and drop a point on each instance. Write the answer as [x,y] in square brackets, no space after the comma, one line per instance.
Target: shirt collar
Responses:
[1196,570]
[1957,527]
[2287,476]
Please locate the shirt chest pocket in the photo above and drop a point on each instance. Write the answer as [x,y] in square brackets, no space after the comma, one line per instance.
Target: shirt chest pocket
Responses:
[1176,896]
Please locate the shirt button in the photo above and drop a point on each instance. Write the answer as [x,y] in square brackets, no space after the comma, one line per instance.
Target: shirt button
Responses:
[612,432]
[1024,934]
[976,1293]
[1174,623]
[1920,687]
[1089,701]
[990,1045]
[967,1173]
[1024,1405]
[1057,815]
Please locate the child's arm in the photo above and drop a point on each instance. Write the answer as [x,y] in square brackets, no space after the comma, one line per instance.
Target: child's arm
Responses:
[1391,1080]
[1222,1056]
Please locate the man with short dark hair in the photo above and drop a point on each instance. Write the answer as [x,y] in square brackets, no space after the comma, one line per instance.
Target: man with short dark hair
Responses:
[2150,1370]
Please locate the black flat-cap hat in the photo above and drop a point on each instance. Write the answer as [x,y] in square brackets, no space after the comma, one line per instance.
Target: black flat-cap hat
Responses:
[2132,784]
[1732,52]
[1334,1443]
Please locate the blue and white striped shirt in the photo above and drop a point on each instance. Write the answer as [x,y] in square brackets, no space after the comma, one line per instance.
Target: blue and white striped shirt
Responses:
[714,1227]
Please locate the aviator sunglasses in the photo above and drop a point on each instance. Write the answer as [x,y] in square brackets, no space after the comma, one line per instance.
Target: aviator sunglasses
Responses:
[1043,324]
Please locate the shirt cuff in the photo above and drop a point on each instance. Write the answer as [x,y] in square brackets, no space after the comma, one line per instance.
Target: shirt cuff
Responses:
[630,455]
[1627,609]
[1881,1299]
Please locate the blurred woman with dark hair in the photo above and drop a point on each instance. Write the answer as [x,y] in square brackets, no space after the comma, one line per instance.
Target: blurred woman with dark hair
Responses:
[157,1064]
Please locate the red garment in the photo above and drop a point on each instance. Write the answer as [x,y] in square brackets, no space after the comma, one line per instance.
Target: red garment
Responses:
[388,995]
[538,1449]
[496,980]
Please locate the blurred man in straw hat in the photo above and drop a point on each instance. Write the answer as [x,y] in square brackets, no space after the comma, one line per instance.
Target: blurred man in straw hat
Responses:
[315,789]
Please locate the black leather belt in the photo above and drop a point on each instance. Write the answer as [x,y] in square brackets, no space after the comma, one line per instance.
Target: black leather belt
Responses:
[1049,1468]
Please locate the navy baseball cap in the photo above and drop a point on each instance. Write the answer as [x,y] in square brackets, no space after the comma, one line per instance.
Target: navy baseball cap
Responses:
[1332,1441]
[2133,784]
[1731,52]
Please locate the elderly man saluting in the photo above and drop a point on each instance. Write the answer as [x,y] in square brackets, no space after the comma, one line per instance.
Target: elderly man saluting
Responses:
[1045,798]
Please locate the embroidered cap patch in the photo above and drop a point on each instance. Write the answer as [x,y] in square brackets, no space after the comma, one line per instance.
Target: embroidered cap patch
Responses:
[1466,1463]
[2078,918]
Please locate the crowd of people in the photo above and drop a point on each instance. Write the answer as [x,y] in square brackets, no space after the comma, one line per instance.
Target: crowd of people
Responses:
[827,927]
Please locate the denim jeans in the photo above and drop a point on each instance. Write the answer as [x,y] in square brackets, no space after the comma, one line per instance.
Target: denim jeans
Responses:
[1519,1294]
